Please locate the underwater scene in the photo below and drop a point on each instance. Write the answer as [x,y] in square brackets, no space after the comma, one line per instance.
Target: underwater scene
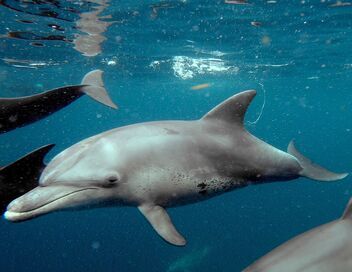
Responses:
[181,135]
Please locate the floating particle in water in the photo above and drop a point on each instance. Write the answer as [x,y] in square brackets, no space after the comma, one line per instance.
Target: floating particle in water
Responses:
[118,39]
[39,87]
[154,14]
[155,64]
[313,77]
[195,28]
[112,62]
[340,4]
[55,26]
[266,40]
[255,23]
[236,2]
[200,86]
[99,115]
[95,245]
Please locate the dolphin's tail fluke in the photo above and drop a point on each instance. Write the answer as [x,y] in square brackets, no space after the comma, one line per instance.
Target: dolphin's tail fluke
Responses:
[95,88]
[312,170]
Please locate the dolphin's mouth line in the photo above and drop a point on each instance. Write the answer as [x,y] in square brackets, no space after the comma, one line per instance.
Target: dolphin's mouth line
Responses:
[54,200]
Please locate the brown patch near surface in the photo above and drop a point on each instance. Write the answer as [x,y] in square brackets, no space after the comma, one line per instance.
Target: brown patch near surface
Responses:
[200,86]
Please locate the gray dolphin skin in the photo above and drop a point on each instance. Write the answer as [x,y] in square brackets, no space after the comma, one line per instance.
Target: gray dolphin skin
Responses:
[21,111]
[162,164]
[327,248]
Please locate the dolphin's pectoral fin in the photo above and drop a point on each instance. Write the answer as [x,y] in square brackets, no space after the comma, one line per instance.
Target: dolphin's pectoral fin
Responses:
[233,109]
[162,224]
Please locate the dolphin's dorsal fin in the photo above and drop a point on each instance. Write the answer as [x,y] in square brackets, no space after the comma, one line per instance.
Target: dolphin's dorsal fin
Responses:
[233,109]
[347,214]
[162,224]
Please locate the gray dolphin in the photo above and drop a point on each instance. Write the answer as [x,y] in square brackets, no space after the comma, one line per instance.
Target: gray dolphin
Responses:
[162,164]
[326,248]
[21,111]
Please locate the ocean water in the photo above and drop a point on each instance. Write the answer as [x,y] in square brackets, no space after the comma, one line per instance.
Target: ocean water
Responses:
[296,54]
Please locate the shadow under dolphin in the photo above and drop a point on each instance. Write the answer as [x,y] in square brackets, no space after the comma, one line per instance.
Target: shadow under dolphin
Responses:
[20,111]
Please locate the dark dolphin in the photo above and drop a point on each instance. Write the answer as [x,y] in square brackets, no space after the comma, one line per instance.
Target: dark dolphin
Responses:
[22,175]
[21,111]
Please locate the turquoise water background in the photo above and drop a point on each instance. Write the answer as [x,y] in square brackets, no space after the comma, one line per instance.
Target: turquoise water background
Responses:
[298,57]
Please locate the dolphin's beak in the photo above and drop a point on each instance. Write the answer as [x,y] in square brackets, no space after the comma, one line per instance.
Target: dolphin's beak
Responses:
[45,199]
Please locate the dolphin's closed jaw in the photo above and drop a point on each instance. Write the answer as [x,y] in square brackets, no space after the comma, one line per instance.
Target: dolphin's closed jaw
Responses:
[45,199]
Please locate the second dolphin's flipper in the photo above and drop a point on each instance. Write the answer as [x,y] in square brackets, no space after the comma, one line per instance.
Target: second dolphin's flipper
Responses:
[95,88]
[312,170]
[21,176]
[162,224]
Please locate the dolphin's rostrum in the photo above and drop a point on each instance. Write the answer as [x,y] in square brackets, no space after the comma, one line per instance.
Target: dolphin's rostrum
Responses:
[156,165]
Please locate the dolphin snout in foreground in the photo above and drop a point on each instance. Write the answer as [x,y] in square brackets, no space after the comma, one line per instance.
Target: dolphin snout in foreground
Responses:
[327,248]
[163,164]
[21,111]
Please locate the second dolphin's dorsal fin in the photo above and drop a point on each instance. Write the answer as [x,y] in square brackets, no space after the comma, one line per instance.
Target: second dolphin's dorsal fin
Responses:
[347,214]
[233,109]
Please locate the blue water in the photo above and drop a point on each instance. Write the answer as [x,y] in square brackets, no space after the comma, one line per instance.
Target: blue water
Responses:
[298,56]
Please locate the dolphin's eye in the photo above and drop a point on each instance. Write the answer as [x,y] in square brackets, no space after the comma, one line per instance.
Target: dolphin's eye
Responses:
[112,179]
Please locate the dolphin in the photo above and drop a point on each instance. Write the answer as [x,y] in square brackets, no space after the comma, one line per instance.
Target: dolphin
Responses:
[325,248]
[161,164]
[190,261]
[21,111]
[21,176]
